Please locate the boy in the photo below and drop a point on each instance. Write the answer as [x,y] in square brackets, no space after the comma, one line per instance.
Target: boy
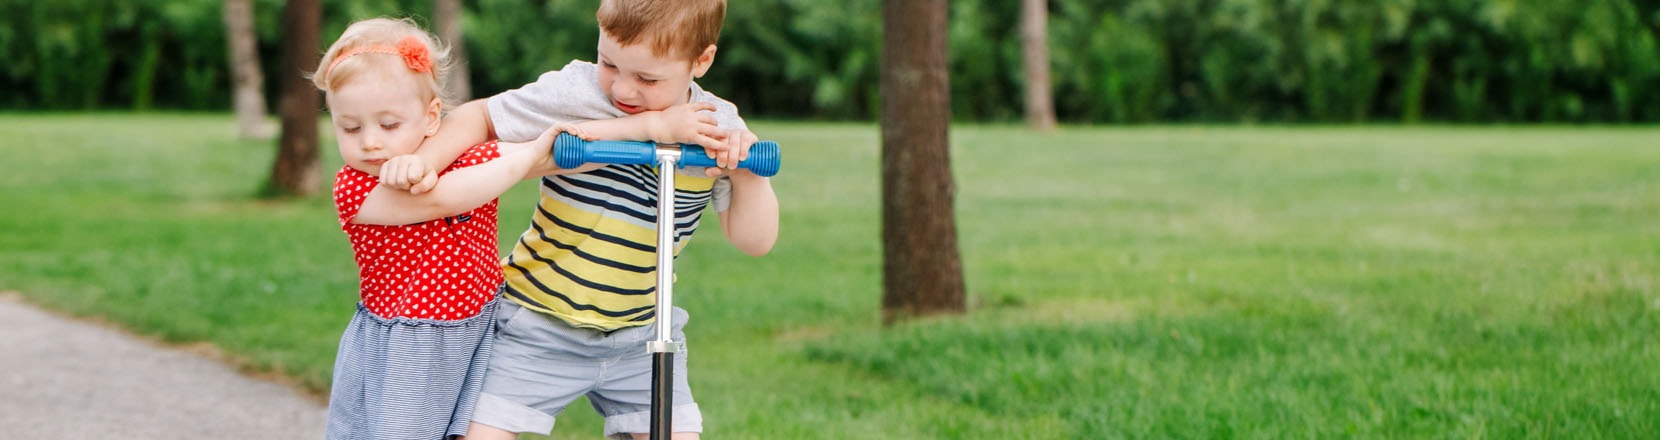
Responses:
[581,280]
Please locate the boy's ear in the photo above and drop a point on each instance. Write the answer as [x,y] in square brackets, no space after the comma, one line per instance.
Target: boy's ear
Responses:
[700,65]
[435,112]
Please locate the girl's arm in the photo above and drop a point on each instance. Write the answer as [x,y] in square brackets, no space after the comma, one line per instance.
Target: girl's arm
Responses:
[462,128]
[460,190]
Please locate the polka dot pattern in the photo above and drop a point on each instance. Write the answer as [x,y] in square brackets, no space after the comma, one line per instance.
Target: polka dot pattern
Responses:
[442,269]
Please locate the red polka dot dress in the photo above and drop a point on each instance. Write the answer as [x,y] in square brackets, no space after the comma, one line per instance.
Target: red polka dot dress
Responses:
[443,269]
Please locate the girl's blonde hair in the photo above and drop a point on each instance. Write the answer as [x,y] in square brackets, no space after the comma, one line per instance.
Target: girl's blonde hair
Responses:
[363,46]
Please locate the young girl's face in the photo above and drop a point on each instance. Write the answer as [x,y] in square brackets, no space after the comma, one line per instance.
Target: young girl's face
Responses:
[378,115]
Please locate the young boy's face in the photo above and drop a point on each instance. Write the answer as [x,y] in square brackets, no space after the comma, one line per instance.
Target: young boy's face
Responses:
[380,115]
[637,80]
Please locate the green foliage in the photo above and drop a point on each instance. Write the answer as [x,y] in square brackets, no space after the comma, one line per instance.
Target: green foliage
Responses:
[511,42]
[1112,60]
[89,53]
[800,58]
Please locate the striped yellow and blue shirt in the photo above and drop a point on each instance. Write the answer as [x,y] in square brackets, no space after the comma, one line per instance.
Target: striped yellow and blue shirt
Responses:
[589,255]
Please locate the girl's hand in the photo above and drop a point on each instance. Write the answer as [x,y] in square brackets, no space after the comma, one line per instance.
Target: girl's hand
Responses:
[408,172]
[539,151]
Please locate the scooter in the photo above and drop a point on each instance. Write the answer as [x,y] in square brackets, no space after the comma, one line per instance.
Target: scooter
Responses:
[570,151]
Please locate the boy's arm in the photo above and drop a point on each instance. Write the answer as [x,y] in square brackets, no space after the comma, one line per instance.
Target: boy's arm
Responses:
[750,221]
[678,124]
[460,190]
[462,128]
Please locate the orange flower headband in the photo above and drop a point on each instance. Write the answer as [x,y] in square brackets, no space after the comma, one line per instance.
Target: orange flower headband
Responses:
[410,48]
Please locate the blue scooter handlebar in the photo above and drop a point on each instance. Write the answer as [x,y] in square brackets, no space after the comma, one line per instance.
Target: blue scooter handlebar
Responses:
[570,151]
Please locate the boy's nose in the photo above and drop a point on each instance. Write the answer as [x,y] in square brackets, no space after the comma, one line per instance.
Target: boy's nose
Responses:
[621,90]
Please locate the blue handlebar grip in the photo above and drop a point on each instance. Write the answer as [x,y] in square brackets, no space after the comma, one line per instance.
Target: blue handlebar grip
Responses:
[570,151]
[763,158]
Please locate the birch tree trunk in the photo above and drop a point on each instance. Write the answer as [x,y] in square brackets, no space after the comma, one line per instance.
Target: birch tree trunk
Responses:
[248,84]
[1034,39]
[447,17]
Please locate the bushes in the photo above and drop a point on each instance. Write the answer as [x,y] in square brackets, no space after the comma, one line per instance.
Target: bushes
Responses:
[82,54]
[1113,60]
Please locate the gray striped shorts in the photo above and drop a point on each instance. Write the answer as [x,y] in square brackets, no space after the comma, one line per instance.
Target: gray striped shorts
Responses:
[407,378]
[541,364]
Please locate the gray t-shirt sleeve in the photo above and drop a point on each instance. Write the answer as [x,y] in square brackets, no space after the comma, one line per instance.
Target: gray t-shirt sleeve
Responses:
[722,194]
[572,94]
[726,116]
[569,94]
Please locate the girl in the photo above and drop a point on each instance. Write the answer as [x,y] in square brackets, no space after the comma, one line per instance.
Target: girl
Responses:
[411,361]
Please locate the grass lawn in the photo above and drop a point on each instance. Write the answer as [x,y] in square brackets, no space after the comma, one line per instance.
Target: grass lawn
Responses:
[1126,282]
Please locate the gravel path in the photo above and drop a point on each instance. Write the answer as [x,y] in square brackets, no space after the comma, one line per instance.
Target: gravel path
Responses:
[62,378]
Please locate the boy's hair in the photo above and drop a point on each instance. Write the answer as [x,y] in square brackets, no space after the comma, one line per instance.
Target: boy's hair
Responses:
[681,28]
[332,73]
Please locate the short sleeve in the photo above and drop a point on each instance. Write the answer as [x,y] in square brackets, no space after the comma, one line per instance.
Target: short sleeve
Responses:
[476,155]
[571,93]
[350,188]
[722,193]
[726,114]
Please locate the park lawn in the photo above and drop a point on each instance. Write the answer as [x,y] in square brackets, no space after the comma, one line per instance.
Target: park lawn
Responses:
[1126,282]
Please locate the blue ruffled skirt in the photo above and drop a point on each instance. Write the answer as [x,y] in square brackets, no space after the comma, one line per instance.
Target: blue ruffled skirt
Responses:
[405,378]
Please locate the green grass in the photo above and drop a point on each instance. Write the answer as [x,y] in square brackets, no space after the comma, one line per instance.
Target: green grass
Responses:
[1158,282]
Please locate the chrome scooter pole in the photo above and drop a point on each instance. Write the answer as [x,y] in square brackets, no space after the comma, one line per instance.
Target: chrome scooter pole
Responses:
[664,347]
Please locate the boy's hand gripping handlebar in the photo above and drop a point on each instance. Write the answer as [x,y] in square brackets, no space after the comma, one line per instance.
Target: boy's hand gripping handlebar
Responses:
[570,151]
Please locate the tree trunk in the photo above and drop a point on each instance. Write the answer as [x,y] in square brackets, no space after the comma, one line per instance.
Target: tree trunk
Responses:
[296,168]
[1034,38]
[921,270]
[447,16]
[248,93]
